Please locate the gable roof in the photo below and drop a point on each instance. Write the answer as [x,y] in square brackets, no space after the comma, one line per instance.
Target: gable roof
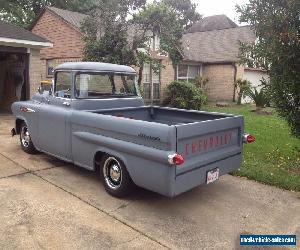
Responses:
[71,17]
[14,35]
[216,46]
[8,30]
[216,22]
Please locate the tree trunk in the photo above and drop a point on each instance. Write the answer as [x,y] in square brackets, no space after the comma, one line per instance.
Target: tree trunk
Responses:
[233,96]
[125,84]
[140,75]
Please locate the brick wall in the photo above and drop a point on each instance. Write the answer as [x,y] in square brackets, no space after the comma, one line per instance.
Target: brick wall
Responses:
[56,62]
[66,40]
[240,71]
[220,85]
[166,76]
[35,71]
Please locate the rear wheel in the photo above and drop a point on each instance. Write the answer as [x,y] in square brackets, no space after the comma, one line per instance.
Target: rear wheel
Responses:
[25,140]
[115,176]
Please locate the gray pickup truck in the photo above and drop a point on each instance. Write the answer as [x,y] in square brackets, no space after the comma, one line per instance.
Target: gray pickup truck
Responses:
[95,118]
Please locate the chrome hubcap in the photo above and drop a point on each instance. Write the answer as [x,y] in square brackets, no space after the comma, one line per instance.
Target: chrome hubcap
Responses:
[112,173]
[25,137]
[115,173]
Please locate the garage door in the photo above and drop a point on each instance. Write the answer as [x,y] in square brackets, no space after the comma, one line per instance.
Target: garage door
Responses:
[13,76]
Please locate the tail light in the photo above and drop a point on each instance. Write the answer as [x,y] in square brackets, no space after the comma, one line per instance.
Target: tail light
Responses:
[175,159]
[248,138]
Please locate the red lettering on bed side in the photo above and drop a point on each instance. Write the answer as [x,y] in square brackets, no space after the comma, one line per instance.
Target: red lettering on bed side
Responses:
[200,145]
[194,148]
[187,149]
[205,144]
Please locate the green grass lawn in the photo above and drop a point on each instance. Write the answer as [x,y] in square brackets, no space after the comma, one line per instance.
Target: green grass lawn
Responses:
[274,158]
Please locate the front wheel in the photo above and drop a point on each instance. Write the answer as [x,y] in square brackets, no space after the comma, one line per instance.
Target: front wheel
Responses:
[115,176]
[25,140]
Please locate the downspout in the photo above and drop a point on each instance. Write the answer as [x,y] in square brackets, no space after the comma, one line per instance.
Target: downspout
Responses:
[234,80]
[151,85]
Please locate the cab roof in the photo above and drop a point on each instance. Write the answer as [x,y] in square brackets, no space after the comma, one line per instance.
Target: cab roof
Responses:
[95,66]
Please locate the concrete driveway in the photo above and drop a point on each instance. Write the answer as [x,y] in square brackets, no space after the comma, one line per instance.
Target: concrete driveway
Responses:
[48,204]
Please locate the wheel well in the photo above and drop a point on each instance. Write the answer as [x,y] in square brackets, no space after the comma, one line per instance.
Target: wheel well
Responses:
[18,125]
[97,159]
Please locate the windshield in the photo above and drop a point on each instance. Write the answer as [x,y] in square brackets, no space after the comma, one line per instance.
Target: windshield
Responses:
[95,85]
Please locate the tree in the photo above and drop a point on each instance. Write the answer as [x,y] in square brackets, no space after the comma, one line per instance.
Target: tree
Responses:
[185,11]
[241,86]
[109,33]
[277,50]
[22,12]
[117,30]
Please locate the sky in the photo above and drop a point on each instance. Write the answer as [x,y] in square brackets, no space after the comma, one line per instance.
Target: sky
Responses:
[216,7]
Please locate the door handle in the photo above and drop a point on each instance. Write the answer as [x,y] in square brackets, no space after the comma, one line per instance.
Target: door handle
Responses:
[66,104]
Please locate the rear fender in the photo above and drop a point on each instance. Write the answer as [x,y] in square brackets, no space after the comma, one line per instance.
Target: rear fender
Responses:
[111,152]
[19,121]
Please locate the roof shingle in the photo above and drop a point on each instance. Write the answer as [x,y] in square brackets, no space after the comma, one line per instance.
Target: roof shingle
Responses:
[73,18]
[8,30]
[216,22]
[216,45]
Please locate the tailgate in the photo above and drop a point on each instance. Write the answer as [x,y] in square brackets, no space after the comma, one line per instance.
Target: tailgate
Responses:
[202,143]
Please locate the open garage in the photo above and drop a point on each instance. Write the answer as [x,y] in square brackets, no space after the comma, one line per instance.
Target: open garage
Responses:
[20,67]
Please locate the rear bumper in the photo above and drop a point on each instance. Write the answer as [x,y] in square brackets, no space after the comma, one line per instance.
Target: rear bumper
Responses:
[191,179]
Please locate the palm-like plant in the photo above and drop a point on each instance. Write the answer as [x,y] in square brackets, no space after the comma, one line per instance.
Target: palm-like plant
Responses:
[259,97]
[241,86]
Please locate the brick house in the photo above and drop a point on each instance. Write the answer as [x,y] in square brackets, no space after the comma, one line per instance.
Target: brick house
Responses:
[210,48]
[62,28]
[19,63]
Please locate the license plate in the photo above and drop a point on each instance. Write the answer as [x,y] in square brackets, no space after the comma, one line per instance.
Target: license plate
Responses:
[212,175]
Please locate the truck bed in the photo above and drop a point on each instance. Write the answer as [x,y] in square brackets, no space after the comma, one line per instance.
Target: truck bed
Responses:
[206,140]
[161,115]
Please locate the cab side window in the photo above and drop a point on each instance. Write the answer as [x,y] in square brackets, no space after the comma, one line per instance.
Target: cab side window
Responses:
[63,84]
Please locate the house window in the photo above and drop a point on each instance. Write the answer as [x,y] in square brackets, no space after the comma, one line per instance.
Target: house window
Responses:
[156,41]
[153,42]
[50,67]
[188,72]
[147,83]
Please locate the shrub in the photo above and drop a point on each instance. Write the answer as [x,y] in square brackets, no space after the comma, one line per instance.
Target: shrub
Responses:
[184,95]
[241,86]
[267,88]
[276,50]
[260,98]
[201,82]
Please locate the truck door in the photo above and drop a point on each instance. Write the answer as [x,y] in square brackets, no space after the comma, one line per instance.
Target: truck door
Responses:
[53,115]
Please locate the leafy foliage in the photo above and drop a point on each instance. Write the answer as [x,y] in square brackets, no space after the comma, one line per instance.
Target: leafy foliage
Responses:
[185,11]
[117,30]
[277,50]
[201,82]
[160,19]
[184,95]
[259,97]
[108,34]
[241,86]
[22,12]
